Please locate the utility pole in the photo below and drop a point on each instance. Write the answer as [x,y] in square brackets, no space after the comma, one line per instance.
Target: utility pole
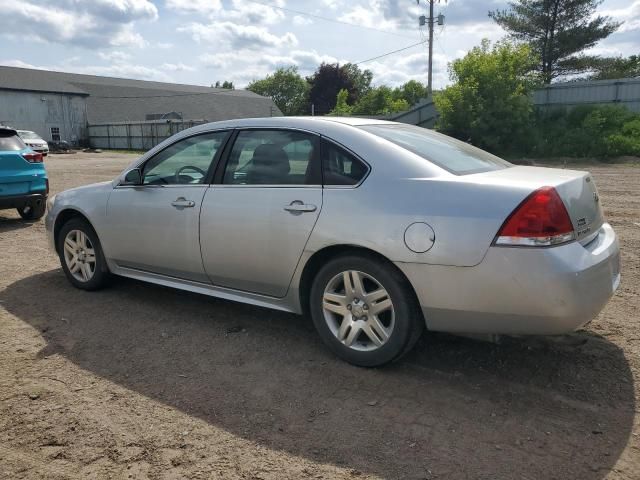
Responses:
[430,22]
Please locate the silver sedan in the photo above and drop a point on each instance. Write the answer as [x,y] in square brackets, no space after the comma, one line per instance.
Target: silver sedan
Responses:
[377,229]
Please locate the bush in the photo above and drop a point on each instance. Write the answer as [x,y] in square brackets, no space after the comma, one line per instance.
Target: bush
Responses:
[627,143]
[586,131]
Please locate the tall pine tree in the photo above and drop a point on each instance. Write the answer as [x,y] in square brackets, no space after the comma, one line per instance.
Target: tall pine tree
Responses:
[557,31]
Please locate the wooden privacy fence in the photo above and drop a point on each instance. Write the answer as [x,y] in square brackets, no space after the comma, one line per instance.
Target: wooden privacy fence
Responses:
[141,135]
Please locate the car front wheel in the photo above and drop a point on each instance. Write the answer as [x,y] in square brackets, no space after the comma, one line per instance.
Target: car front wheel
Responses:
[81,255]
[364,310]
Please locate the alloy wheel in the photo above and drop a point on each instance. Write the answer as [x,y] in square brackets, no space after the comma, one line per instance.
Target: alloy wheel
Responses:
[79,255]
[358,310]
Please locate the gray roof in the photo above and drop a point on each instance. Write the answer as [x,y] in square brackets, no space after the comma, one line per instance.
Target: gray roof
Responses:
[112,99]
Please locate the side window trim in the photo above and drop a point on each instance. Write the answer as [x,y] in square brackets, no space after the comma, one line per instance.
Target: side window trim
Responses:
[325,142]
[218,178]
[212,167]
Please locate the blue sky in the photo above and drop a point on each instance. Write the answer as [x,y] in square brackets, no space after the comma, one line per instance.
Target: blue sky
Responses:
[201,41]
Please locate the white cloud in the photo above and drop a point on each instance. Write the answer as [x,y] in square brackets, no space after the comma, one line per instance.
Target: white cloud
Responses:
[19,64]
[332,4]
[88,23]
[384,14]
[218,60]
[367,17]
[238,36]
[194,6]
[252,13]
[121,70]
[629,15]
[306,61]
[126,37]
[235,10]
[177,67]
[301,21]
[115,56]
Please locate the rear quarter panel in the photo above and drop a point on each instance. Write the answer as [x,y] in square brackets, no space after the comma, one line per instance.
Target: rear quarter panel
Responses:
[465,217]
[19,177]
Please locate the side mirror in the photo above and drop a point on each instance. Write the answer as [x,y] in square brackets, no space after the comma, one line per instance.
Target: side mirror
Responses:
[133,177]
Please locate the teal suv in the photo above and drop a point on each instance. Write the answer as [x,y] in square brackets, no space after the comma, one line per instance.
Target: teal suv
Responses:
[23,179]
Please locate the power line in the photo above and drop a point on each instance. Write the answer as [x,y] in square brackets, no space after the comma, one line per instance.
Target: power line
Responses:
[326,19]
[391,53]
[232,91]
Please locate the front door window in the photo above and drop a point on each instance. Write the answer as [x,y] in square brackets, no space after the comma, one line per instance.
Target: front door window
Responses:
[186,162]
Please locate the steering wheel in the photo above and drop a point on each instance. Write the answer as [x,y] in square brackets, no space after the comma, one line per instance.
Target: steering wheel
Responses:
[189,167]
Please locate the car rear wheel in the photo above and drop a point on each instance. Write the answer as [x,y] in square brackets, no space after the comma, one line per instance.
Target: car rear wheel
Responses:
[365,311]
[81,255]
[33,211]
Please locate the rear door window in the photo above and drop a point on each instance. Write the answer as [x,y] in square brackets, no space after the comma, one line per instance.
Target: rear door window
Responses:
[273,157]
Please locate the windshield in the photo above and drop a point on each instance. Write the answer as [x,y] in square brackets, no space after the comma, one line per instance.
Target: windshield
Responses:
[28,135]
[453,155]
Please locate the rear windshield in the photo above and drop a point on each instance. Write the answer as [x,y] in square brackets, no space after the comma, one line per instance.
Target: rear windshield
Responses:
[453,155]
[10,142]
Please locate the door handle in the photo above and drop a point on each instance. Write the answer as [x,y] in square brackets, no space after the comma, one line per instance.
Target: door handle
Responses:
[298,207]
[182,202]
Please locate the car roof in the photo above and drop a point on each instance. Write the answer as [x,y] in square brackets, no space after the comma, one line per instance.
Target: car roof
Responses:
[318,124]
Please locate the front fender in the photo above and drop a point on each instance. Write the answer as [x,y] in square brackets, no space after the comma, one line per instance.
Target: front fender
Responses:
[90,201]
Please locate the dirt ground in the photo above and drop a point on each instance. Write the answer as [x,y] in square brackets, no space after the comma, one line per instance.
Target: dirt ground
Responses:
[139,381]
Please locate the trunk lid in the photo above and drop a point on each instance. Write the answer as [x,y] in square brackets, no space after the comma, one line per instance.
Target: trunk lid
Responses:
[576,188]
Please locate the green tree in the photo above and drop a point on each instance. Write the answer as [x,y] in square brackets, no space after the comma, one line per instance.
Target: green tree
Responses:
[380,101]
[557,31]
[607,68]
[326,83]
[342,107]
[377,101]
[287,89]
[489,102]
[412,91]
[361,80]
[226,84]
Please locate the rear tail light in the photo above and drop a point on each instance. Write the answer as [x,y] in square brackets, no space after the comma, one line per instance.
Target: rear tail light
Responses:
[541,220]
[32,157]
[46,181]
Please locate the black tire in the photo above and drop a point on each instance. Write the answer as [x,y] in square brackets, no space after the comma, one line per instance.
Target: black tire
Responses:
[101,275]
[33,211]
[409,322]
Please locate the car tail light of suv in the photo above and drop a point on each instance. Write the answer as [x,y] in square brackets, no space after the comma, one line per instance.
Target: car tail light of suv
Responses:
[32,157]
[541,220]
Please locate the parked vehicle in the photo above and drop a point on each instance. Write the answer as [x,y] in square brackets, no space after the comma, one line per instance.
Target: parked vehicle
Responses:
[377,229]
[34,141]
[23,179]
[61,146]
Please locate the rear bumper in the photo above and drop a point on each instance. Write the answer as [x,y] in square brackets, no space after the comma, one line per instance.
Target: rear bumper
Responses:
[19,201]
[521,291]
